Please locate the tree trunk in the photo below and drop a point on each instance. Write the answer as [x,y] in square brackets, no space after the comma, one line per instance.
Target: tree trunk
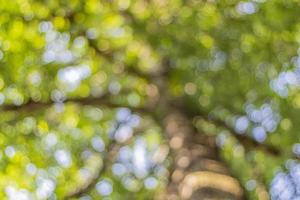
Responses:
[197,170]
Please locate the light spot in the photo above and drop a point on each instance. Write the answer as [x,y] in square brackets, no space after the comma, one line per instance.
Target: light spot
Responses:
[241,124]
[176,142]
[73,75]
[190,88]
[10,151]
[123,133]
[114,88]
[63,158]
[259,134]
[45,188]
[51,140]
[104,188]
[183,162]
[296,149]
[134,99]
[150,183]
[2,98]
[58,96]
[251,185]
[45,26]
[123,114]
[15,194]
[31,169]
[246,7]
[119,169]
[98,144]
[91,33]
[177,175]
[140,158]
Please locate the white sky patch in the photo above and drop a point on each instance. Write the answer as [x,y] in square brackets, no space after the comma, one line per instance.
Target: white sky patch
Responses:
[150,183]
[296,149]
[123,114]
[259,121]
[31,169]
[125,154]
[50,140]
[73,75]
[2,98]
[45,26]
[259,134]
[45,188]
[140,158]
[116,32]
[114,87]
[251,185]
[63,158]
[104,188]
[123,133]
[286,185]
[79,42]
[134,120]
[119,169]
[35,78]
[57,48]
[98,144]
[287,79]
[283,82]
[91,33]
[10,151]
[15,194]
[57,44]
[241,124]
[58,96]
[246,8]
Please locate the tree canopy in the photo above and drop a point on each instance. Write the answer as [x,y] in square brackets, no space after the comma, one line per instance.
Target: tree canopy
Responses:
[149,99]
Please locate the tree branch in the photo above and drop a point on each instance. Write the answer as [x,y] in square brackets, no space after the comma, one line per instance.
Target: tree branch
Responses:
[93,181]
[246,141]
[109,56]
[109,157]
[105,100]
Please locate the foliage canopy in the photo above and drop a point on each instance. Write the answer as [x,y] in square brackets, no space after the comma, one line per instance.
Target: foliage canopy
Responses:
[85,87]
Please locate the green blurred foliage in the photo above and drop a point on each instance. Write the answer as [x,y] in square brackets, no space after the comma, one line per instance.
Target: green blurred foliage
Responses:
[224,56]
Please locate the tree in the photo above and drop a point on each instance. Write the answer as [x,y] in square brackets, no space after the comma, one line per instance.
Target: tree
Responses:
[149,99]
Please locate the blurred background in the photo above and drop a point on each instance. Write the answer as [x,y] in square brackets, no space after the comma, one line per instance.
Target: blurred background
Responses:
[149,99]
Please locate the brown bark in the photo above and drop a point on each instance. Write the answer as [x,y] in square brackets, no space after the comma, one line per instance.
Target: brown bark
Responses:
[198,172]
